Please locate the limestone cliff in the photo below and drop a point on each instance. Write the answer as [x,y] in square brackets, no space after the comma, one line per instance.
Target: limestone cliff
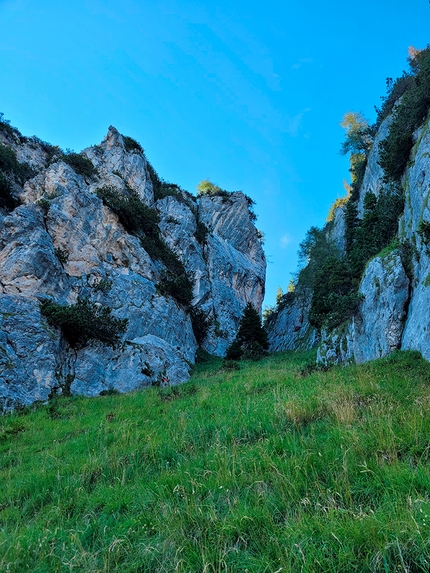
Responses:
[60,242]
[394,311]
[393,295]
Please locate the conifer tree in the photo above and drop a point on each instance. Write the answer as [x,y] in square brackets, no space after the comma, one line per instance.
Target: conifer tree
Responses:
[251,340]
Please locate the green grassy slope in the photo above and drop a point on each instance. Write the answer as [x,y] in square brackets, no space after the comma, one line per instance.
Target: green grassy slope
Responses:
[261,470]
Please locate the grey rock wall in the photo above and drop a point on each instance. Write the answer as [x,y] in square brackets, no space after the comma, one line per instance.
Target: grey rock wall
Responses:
[394,312]
[373,176]
[377,329]
[290,328]
[61,243]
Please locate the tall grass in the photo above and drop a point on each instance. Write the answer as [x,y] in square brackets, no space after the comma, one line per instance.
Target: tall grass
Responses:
[257,470]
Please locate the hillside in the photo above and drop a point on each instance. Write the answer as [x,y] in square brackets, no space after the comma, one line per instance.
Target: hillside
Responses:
[275,467]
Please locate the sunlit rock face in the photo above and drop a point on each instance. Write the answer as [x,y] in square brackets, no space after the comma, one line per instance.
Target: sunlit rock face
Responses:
[228,269]
[377,329]
[62,243]
[395,287]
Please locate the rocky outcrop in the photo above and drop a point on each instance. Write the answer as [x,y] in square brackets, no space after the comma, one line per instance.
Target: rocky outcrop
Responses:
[395,286]
[373,180]
[62,243]
[289,328]
[228,269]
[416,335]
[337,227]
[377,328]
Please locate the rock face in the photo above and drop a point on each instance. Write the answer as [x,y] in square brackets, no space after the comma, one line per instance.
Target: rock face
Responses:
[373,177]
[377,329]
[229,270]
[62,243]
[395,287]
[290,328]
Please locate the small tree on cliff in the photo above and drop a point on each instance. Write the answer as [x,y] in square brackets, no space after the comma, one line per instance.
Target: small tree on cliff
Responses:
[251,340]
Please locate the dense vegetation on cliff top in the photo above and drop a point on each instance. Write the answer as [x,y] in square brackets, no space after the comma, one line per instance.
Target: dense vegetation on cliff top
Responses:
[333,277]
[262,469]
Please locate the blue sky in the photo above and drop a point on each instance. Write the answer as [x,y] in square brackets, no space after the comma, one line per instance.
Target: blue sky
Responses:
[249,94]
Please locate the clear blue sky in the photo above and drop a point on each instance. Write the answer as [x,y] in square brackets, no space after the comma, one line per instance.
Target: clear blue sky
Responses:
[247,93]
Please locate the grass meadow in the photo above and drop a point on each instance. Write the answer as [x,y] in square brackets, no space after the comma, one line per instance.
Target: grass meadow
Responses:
[262,470]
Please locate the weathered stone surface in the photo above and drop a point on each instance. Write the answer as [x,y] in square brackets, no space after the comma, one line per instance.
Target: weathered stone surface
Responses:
[228,270]
[382,314]
[394,310]
[29,353]
[236,265]
[416,184]
[28,264]
[416,335]
[337,229]
[139,363]
[377,329]
[117,167]
[290,328]
[337,345]
[373,176]
[62,243]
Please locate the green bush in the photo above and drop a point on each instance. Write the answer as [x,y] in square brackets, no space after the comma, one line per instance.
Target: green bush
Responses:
[169,393]
[358,141]
[10,164]
[352,222]
[231,365]
[424,231]
[328,277]
[162,188]
[142,221]
[103,285]
[202,232]
[44,204]
[52,151]
[7,200]
[79,163]
[377,229]
[251,204]
[62,255]
[334,280]
[133,213]
[407,253]
[85,321]
[178,286]
[234,351]
[408,116]
[8,160]
[357,170]
[314,250]
[206,187]
[7,128]
[332,290]
[131,145]
[395,90]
